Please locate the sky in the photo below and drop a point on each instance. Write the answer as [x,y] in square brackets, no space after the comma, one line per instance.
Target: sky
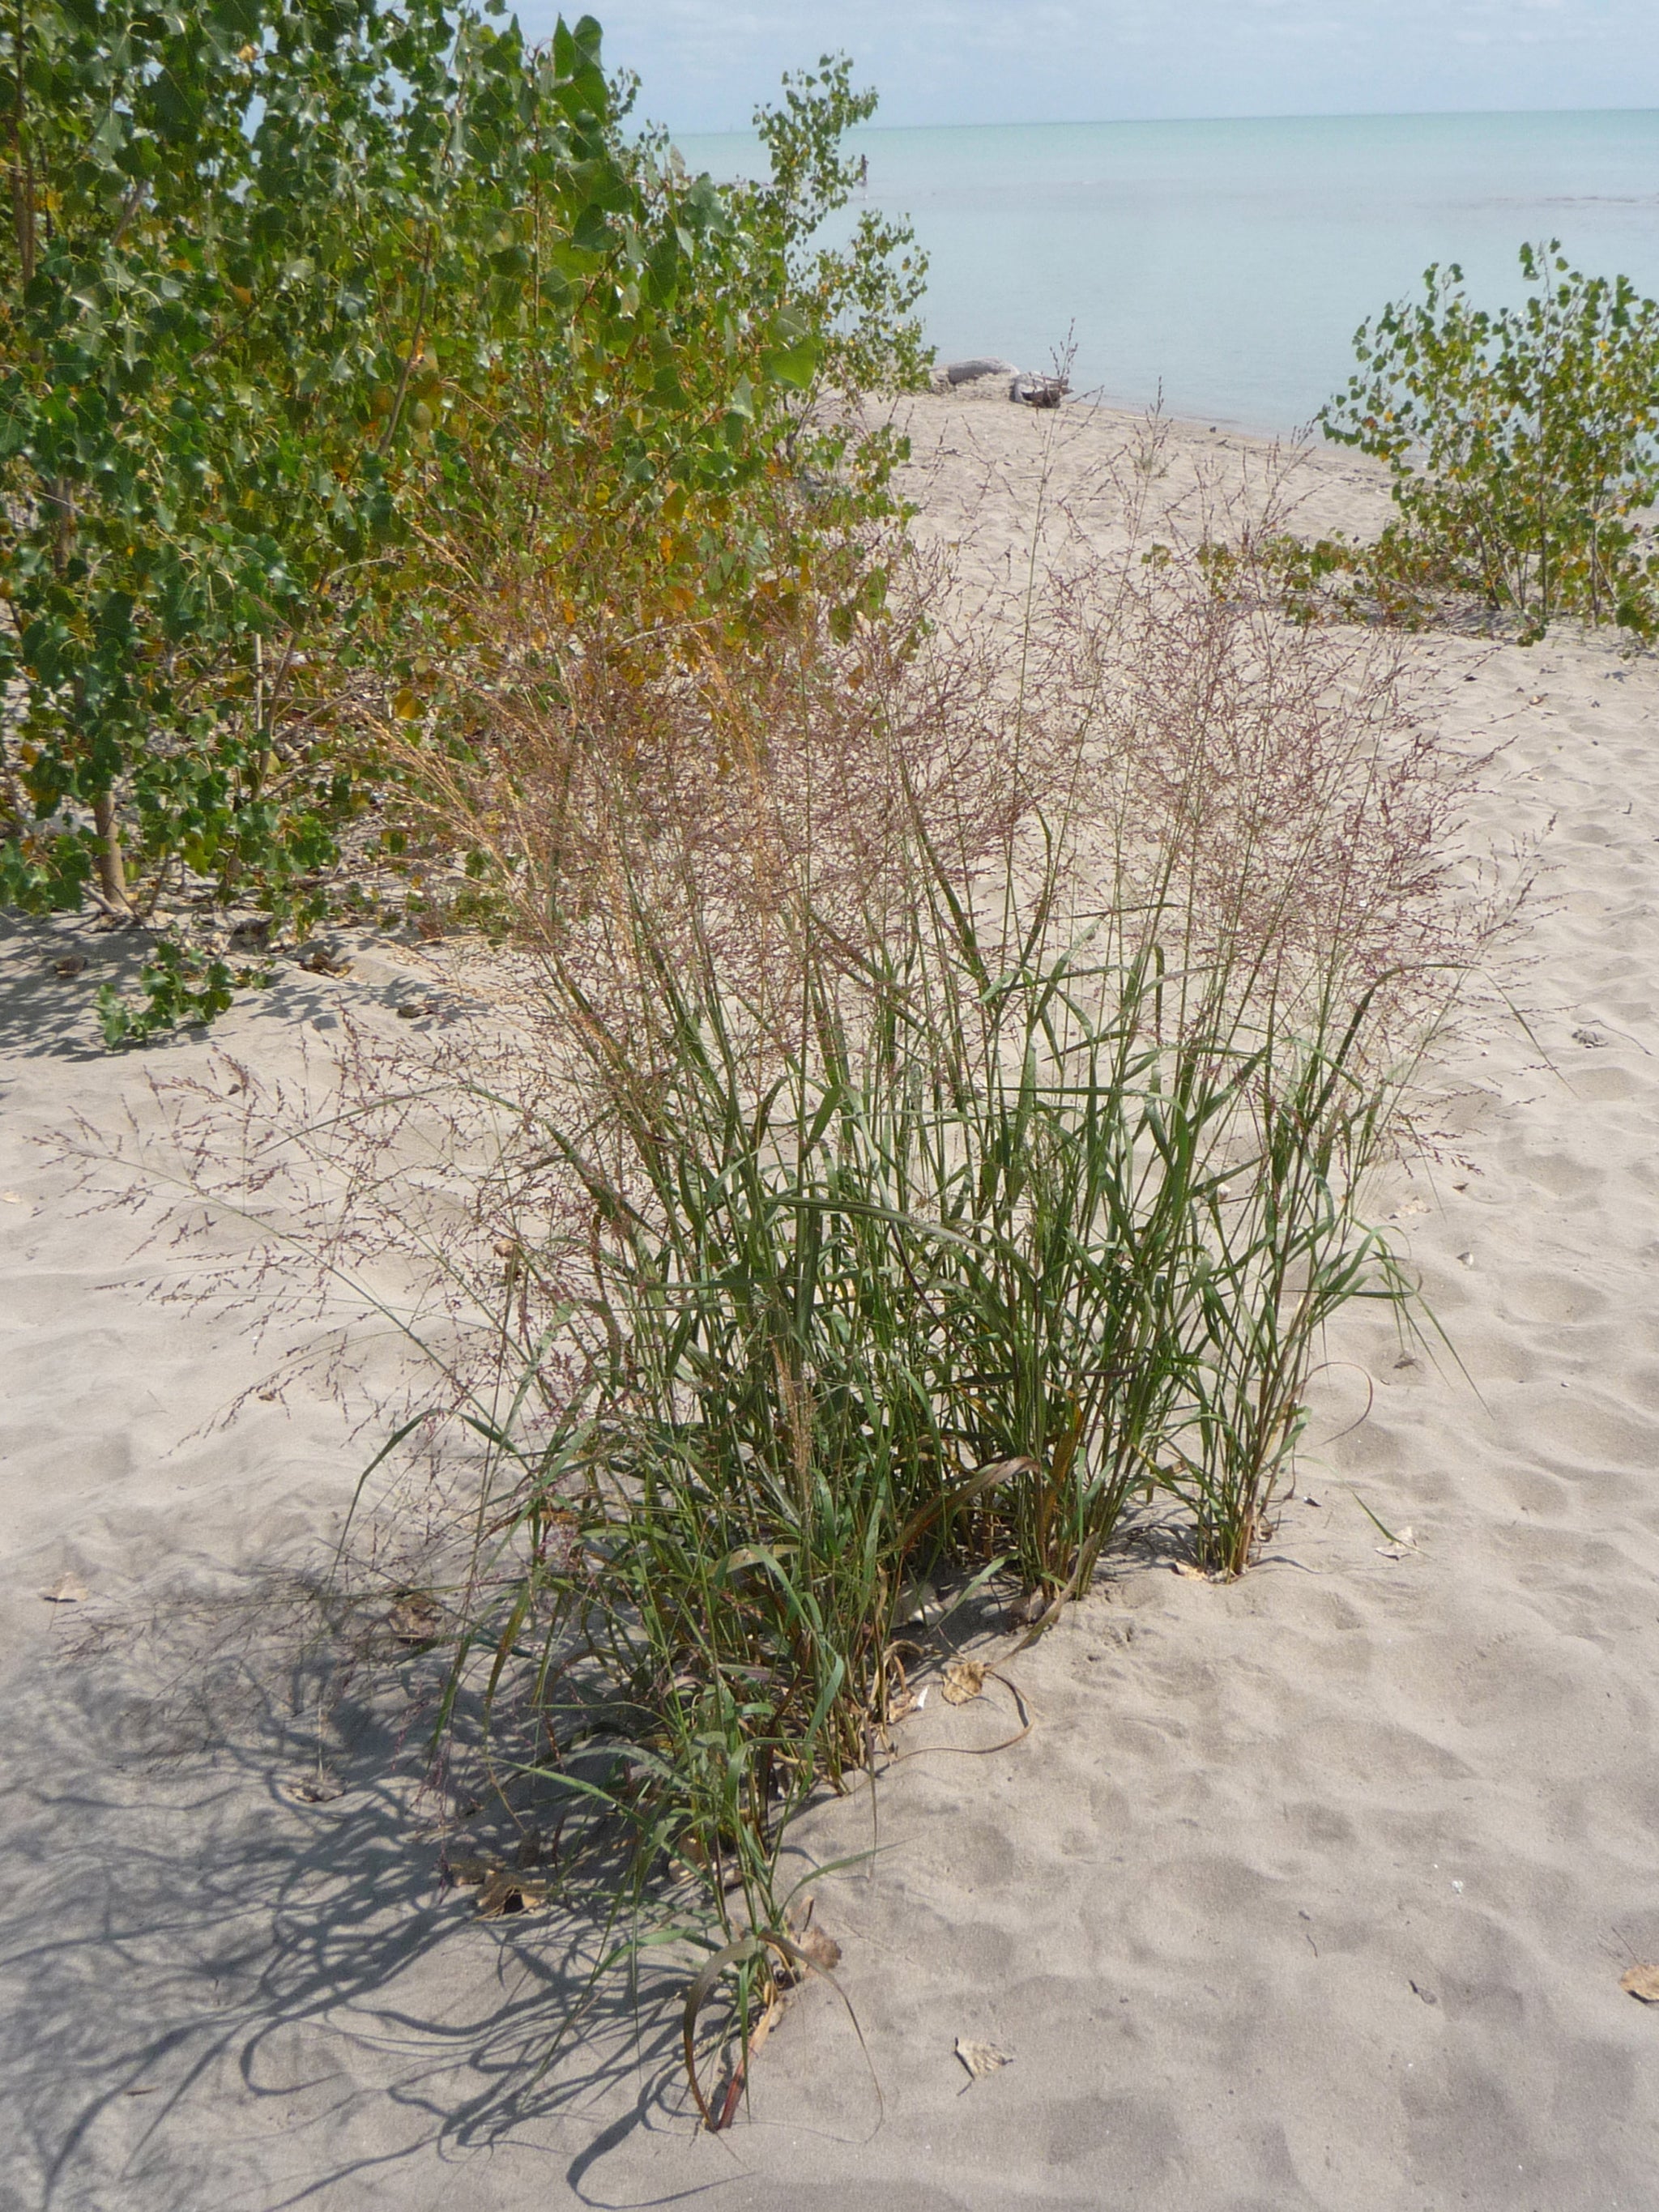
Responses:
[705,63]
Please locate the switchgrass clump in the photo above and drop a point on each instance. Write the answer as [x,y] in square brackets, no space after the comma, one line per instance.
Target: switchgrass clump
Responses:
[942,1127]
[940,1209]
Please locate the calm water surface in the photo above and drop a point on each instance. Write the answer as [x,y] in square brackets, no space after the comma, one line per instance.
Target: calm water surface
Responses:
[1232,261]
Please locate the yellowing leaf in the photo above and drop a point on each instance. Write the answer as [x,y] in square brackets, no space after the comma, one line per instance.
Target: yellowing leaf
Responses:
[964,1681]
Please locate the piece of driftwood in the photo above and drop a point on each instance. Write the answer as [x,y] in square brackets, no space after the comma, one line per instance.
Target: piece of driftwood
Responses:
[971,372]
[1039,391]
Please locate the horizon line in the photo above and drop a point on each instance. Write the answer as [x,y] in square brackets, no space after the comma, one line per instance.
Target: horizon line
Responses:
[1115,122]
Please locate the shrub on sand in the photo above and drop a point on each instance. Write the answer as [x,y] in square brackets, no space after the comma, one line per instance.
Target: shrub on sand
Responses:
[1521,446]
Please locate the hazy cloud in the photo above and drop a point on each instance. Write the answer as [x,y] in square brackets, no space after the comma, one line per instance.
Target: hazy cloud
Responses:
[705,65]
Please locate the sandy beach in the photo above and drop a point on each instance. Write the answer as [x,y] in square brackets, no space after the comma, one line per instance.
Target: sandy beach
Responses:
[1314,1890]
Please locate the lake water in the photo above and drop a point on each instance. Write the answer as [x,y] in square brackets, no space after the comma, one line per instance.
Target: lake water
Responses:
[1232,261]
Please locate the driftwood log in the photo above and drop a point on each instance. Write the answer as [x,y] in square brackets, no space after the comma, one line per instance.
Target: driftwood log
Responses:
[972,372]
[1039,391]
[1029,390]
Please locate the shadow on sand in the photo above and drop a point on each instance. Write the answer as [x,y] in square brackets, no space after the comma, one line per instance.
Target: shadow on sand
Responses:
[51,971]
[219,1995]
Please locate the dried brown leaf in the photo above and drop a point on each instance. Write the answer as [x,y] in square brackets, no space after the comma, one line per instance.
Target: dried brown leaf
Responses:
[1642,1982]
[504,1894]
[1005,1470]
[318,1786]
[822,1950]
[768,2020]
[982,2058]
[964,1681]
[416,1617]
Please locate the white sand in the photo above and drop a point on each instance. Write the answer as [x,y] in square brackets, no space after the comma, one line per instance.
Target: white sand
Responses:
[1311,1891]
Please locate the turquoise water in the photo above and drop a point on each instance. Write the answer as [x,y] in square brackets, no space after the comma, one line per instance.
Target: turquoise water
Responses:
[1232,261]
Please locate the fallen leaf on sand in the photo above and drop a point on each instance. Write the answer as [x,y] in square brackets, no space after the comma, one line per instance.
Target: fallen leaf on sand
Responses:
[982,2058]
[505,1894]
[68,1590]
[964,1681]
[1642,1982]
[416,1617]
[318,1788]
[822,1950]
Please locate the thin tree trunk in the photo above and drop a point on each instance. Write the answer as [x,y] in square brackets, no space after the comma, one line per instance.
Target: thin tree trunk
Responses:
[22,167]
[111,869]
